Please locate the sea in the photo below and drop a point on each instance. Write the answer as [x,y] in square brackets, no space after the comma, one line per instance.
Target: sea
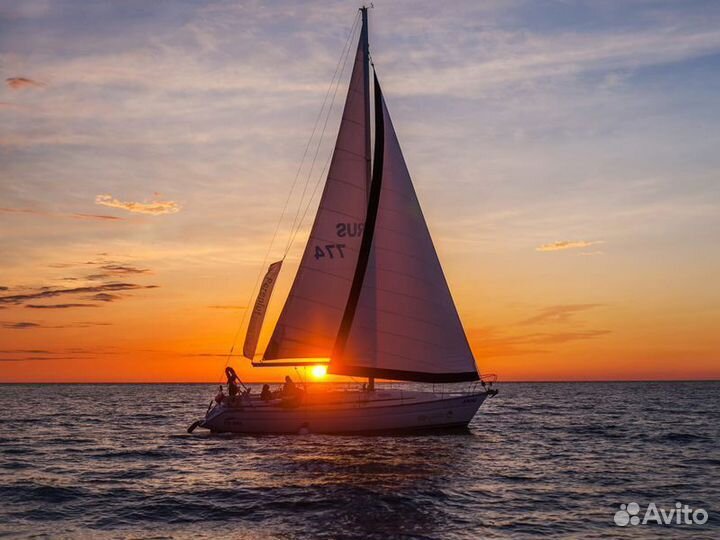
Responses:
[559,460]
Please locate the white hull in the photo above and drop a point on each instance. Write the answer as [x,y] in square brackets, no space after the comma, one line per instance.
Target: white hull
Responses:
[348,412]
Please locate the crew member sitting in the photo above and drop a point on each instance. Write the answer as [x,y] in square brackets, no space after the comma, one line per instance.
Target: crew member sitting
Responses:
[266,394]
[289,388]
[220,397]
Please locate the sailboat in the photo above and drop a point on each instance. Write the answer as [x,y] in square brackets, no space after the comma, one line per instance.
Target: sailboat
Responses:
[369,295]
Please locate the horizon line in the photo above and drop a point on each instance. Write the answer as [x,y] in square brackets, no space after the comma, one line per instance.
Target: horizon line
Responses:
[518,381]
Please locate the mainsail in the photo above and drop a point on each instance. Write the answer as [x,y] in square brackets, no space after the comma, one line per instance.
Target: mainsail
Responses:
[400,321]
[311,317]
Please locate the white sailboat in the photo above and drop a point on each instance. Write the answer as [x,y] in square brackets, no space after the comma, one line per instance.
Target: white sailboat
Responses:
[369,295]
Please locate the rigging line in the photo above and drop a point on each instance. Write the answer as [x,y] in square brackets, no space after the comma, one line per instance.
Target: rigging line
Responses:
[317,184]
[292,189]
[341,61]
[300,223]
[309,203]
[344,57]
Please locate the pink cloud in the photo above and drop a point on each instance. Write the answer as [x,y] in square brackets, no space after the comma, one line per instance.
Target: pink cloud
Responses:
[154,208]
[22,83]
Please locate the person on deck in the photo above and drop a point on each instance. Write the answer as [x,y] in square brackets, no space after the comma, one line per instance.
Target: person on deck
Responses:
[266,394]
[232,388]
[289,388]
[219,397]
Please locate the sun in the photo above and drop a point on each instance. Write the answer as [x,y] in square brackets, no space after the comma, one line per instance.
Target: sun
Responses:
[319,372]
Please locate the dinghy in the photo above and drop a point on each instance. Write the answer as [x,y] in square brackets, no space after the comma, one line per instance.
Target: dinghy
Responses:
[369,297]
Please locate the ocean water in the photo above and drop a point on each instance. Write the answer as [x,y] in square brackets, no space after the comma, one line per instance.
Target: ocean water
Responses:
[558,460]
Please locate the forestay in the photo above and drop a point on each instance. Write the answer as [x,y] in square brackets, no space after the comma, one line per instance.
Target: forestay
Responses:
[311,316]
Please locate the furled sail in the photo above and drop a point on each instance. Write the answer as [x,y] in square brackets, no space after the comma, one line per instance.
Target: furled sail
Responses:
[400,321]
[258,313]
[310,319]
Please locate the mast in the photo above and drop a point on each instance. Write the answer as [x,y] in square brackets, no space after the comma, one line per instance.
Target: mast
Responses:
[364,40]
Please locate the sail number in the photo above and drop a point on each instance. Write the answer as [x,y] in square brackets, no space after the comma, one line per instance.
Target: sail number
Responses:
[330,250]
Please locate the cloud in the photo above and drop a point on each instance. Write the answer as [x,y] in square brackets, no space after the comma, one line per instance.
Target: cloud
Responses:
[104,297]
[120,269]
[58,306]
[50,293]
[25,351]
[26,325]
[22,83]
[568,244]
[496,57]
[72,353]
[95,217]
[4,288]
[558,314]
[19,325]
[31,359]
[564,337]
[154,208]
[85,217]
[111,270]
[227,307]
[491,342]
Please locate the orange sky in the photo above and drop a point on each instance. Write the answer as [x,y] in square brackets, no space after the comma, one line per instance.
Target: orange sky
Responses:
[182,330]
[568,177]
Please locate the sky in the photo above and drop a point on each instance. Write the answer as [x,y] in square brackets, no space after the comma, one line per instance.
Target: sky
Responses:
[565,154]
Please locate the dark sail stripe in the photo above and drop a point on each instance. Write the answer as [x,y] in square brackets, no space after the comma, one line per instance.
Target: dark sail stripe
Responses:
[400,375]
[368,233]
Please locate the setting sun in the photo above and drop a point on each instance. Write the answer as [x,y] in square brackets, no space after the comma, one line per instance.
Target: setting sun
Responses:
[318,372]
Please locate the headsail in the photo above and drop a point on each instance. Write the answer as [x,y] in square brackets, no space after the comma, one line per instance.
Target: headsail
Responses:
[310,319]
[400,321]
[258,313]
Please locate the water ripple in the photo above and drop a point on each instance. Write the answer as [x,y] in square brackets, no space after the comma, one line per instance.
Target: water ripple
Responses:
[539,460]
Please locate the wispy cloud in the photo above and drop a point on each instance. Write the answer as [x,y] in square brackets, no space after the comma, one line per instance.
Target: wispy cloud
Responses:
[22,83]
[24,325]
[32,358]
[562,245]
[79,216]
[154,208]
[19,325]
[227,307]
[58,306]
[558,314]
[73,353]
[104,297]
[493,342]
[25,351]
[113,270]
[50,293]
[96,217]
[121,269]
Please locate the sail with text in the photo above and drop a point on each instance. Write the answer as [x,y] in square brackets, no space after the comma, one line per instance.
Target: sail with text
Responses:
[259,309]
